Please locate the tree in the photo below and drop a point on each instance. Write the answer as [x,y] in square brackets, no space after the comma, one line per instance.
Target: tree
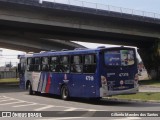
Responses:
[9,65]
[151,57]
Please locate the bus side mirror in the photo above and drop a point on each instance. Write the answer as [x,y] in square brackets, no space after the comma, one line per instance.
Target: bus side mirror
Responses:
[19,67]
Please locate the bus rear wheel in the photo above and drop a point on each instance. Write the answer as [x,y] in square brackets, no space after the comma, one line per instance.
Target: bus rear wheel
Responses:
[64,92]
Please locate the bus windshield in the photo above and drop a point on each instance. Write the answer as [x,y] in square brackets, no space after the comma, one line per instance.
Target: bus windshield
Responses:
[119,58]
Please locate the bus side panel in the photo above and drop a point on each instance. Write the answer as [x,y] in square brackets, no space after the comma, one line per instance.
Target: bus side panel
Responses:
[89,85]
[82,85]
[42,82]
[35,78]
[56,80]
[76,85]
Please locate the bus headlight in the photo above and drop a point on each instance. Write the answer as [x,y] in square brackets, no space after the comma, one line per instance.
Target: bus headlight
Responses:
[103,80]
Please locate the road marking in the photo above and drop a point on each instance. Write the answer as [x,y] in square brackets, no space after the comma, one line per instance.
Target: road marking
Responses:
[94,110]
[43,108]
[12,103]
[3,98]
[7,100]
[25,105]
[71,109]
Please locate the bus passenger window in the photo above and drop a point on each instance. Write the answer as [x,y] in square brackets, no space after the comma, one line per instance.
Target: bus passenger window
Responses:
[45,62]
[22,64]
[89,64]
[64,64]
[37,65]
[76,64]
[54,64]
[30,64]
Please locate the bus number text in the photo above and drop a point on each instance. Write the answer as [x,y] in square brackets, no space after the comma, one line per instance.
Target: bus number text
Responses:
[90,78]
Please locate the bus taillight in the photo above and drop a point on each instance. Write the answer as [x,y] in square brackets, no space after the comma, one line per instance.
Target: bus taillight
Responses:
[103,80]
[136,78]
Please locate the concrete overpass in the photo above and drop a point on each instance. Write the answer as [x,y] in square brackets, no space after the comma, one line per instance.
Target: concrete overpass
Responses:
[30,19]
[32,24]
[34,44]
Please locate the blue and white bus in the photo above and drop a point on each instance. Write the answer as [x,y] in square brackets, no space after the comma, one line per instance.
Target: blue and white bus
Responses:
[84,73]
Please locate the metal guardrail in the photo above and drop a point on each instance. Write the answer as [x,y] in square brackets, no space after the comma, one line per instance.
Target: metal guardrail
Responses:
[98,6]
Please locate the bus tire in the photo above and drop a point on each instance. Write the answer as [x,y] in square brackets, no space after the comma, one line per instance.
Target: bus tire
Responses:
[30,89]
[64,93]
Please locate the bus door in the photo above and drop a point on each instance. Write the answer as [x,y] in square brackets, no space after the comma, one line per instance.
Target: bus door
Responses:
[59,73]
[120,69]
[21,72]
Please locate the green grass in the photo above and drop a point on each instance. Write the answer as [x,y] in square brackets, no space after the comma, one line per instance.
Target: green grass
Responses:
[140,96]
[9,80]
[150,82]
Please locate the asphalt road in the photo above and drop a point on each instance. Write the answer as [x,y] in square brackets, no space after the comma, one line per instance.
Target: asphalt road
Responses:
[14,99]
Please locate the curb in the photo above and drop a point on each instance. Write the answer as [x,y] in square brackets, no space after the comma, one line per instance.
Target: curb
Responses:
[134,100]
[149,86]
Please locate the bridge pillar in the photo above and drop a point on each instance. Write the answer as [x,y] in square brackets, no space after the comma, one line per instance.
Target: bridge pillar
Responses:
[151,58]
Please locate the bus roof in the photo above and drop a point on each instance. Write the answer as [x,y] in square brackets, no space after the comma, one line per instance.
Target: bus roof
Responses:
[70,52]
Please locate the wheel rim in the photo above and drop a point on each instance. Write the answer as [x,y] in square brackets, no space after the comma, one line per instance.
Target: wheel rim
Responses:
[29,86]
[65,93]
[30,89]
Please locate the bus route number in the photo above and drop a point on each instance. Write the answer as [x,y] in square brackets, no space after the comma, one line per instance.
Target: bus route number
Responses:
[89,78]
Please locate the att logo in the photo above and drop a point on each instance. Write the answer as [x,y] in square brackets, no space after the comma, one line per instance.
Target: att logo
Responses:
[123,74]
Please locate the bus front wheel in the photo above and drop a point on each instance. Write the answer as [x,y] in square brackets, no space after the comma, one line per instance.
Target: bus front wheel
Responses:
[30,89]
[64,92]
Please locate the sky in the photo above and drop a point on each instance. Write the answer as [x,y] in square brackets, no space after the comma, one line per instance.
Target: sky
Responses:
[7,55]
[144,5]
